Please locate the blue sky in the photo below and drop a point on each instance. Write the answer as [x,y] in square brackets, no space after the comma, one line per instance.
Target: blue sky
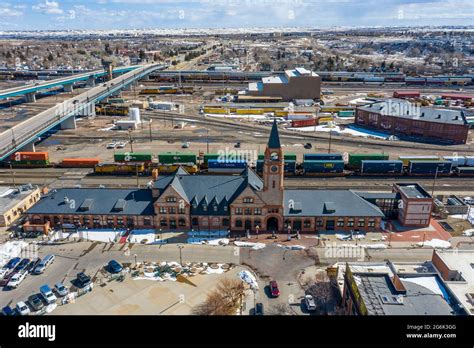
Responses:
[130,14]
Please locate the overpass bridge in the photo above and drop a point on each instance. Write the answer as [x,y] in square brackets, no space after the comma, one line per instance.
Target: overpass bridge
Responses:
[30,90]
[27,132]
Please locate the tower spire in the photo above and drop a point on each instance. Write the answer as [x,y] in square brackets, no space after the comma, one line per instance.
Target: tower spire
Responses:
[274,140]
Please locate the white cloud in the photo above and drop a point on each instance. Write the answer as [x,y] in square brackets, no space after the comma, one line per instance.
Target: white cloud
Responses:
[7,11]
[48,7]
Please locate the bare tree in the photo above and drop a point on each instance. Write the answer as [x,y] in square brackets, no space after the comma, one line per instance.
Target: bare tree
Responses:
[224,300]
[280,309]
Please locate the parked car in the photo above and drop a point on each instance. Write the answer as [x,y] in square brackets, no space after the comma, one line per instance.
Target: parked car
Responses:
[274,289]
[35,302]
[185,145]
[45,262]
[6,278]
[16,279]
[13,262]
[308,146]
[32,265]
[310,303]
[3,271]
[22,264]
[114,267]
[237,144]
[111,145]
[47,294]
[22,308]
[7,310]
[121,145]
[83,280]
[61,290]
[259,309]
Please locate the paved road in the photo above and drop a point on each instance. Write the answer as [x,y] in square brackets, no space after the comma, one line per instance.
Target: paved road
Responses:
[46,117]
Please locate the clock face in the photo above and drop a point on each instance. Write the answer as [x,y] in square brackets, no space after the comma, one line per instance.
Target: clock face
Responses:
[274,169]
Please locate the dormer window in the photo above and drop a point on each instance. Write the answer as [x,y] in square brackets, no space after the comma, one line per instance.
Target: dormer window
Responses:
[248,200]
[215,208]
[171,199]
[204,207]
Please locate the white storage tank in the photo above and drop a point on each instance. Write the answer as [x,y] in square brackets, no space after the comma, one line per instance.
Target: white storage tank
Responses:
[134,114]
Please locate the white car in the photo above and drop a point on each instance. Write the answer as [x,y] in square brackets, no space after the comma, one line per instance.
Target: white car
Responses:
[310,303]
[120,145]
[17,279]
[3,271]
[22,308]
[111,145]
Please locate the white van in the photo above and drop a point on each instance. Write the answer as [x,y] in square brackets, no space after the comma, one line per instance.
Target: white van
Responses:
[16,279]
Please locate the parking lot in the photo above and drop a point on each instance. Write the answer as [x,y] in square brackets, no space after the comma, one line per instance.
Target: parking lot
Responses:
[70,259]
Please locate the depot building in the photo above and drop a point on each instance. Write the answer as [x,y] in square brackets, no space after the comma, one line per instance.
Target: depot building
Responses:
[239,203]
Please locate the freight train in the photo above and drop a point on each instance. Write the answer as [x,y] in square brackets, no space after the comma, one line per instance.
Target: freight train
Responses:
[313,164]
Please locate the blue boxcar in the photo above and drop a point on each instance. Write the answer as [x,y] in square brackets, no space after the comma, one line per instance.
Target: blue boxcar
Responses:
[323,167]
[382,167]
[231,164]
[430,167]
[322,157]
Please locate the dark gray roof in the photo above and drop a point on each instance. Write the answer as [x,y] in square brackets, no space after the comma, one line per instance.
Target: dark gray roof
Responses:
[405,109]
[413,190]
[83,201]
[323,202]
[380,297]
[204,192]
[377,195]
[274,140]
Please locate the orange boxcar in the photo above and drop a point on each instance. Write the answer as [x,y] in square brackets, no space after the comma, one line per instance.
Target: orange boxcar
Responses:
[30,156]
[80,162]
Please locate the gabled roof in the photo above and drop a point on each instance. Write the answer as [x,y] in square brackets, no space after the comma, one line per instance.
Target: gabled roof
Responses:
[274,140]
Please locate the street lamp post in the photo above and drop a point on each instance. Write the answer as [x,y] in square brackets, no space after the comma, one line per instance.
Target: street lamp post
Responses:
[135,256]
[256,230]
[149,124]
[180,254]
[289,233]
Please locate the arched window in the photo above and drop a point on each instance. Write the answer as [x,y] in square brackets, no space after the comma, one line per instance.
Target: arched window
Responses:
[225,222]
[182,222]
[195,221]
[238,223]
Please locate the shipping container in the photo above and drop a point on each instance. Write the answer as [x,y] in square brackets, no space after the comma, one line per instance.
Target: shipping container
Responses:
[303,123]
[465,171]
[79,162]
[382,167]
[346,113]
[458,161]
[328,166]
[133,157]
[470,161]
[286,156]
[176,158]
[30,164]
[217,167]
[430,167]
[322,157]
[355,160]
[28,156]
[406,159]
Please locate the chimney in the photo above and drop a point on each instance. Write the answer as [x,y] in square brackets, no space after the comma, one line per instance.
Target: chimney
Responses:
[154,174]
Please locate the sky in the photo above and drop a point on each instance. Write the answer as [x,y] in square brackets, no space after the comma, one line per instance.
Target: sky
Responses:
[133,14]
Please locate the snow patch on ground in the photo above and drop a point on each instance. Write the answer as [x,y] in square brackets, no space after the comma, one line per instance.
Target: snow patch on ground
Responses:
[10,250]
[436,243]
[249,278]
[254,246]
[292,247]
[469,233]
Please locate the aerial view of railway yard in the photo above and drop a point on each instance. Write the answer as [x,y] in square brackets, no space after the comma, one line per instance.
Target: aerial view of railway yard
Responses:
[250,171]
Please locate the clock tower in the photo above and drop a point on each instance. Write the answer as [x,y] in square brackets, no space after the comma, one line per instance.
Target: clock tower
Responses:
[273,170]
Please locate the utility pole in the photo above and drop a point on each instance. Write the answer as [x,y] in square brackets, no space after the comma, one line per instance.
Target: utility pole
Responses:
[149,124]
[207,142]
[130,139]
[330,140]
[434,182]
[13,175]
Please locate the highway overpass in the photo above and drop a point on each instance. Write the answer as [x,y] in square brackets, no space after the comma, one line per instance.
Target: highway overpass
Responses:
[63,114]
[66,82]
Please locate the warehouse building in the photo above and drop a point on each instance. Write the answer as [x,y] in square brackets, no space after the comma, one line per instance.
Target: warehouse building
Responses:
[14,201]
[405,119]
[294,84]
[238,203]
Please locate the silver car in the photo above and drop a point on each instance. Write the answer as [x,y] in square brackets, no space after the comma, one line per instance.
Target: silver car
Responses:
[310,303]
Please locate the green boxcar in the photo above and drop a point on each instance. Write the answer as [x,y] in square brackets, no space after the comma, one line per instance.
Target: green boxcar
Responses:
[31,163]
[178,157]
[210,156]
[287,156]
[347,113]
[355,160]
[133,157]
